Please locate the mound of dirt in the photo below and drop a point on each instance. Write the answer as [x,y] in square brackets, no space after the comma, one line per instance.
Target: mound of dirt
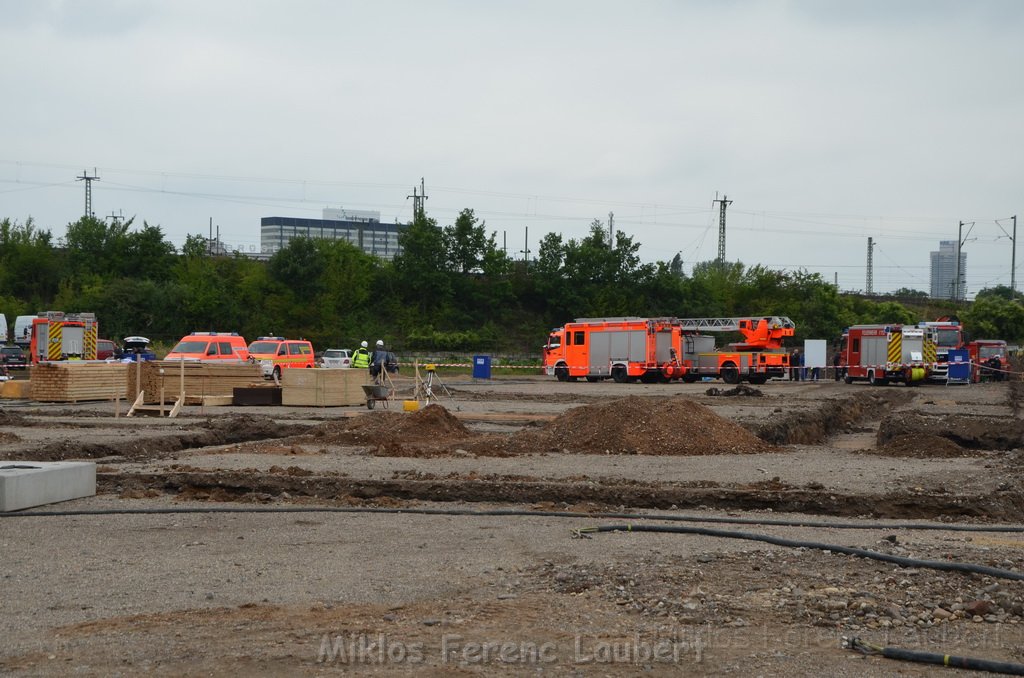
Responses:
[433,423]
[920,446]
[634,425]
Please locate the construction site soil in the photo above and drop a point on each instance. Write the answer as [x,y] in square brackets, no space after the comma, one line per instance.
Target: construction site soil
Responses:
[457,538]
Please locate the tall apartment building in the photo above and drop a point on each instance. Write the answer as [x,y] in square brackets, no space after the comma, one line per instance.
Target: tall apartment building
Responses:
[362,228]
[944,272]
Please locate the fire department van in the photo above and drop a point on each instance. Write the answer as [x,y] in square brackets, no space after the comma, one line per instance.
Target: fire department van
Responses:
[277,353]
[210,346]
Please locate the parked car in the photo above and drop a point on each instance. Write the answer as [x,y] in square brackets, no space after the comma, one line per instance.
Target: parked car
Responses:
[106,349]
[12,357]
[137,349]
[337,357]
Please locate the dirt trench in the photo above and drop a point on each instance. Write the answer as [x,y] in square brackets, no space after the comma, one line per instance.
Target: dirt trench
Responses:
[261,487]
[212,432]
[832,417]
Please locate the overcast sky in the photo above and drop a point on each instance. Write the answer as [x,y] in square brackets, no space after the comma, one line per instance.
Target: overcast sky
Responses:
[824,122]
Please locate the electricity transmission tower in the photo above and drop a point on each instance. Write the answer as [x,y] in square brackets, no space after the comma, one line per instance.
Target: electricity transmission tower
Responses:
[869,287]
[418,200]
[88,189]
[725,202]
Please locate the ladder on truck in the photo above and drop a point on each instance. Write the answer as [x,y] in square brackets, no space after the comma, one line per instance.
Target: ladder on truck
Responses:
[733,324]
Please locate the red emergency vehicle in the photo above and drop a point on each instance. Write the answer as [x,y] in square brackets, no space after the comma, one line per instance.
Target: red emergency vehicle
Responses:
[623,349]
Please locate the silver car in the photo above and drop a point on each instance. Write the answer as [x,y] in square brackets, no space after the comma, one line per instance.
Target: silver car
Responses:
[337,358]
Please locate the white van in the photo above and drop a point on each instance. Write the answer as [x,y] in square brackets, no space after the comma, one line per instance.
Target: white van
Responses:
[23,330]
[3,329]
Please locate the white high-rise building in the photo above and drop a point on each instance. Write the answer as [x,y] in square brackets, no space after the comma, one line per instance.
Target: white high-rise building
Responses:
[944,272]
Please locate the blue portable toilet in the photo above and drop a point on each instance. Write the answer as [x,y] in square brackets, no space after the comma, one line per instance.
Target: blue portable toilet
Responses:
[959,367]
[481,367]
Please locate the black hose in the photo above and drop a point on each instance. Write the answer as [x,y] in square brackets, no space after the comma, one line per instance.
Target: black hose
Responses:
[796,543]
[935,658]
[775,522]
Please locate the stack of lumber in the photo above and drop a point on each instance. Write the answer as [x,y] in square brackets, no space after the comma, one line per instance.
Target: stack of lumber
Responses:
[205,383]
[323,387]
[74,381]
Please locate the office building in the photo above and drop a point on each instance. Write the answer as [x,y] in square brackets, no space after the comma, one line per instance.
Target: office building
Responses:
[362,228]
[944,272]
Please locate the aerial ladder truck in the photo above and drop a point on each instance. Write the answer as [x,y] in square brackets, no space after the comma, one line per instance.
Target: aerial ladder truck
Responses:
[757,358]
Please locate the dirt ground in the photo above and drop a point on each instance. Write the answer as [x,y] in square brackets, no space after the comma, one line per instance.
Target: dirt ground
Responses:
[457,539]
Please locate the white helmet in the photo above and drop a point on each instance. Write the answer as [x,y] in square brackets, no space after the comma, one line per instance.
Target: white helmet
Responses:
[380,342]
[364,344]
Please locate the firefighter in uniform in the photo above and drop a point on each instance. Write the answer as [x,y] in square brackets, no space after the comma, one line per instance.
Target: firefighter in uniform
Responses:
[361,357]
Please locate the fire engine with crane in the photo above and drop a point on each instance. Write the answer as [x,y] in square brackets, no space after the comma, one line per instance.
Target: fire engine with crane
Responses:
[756,359]
[56,335]
[623,349]
[665,349]
[884,353]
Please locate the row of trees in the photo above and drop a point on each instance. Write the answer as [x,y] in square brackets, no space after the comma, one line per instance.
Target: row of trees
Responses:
[451,289]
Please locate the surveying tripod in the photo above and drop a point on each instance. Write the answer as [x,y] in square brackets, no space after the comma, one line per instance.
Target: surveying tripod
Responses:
[425,386]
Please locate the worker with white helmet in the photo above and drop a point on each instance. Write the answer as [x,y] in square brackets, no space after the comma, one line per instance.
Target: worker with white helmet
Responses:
[382,360]
[360,356]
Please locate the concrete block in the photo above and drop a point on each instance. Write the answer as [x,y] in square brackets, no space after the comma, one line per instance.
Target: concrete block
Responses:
[24,484]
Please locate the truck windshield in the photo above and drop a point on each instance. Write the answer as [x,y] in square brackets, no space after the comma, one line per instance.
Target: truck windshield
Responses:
[263,347]
[990,352]
[948,338]
[190,347]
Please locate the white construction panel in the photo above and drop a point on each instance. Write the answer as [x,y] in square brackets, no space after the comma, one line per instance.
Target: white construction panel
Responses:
[24,484]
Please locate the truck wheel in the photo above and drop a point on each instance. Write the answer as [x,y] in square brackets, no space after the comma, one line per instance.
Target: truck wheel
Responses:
[876,380]
[847,379]
[562,373]
[730,374]
[619,374]
[277,373]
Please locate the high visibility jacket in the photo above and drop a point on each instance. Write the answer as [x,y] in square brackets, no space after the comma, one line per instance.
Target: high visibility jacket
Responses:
[361,358]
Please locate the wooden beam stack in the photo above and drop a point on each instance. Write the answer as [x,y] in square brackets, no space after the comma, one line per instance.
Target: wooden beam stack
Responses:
[75,381]
[323,387]
[203,380]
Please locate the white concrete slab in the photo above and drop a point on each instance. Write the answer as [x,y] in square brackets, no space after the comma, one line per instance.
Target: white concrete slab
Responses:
[24,484]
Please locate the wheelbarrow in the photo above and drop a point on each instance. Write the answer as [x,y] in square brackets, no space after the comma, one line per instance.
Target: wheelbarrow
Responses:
[376,393]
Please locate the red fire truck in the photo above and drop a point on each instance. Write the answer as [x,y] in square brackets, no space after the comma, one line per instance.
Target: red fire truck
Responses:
[884,353]
[57,335]
[989,360]
[755,359]
[623,349]
[948,334]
